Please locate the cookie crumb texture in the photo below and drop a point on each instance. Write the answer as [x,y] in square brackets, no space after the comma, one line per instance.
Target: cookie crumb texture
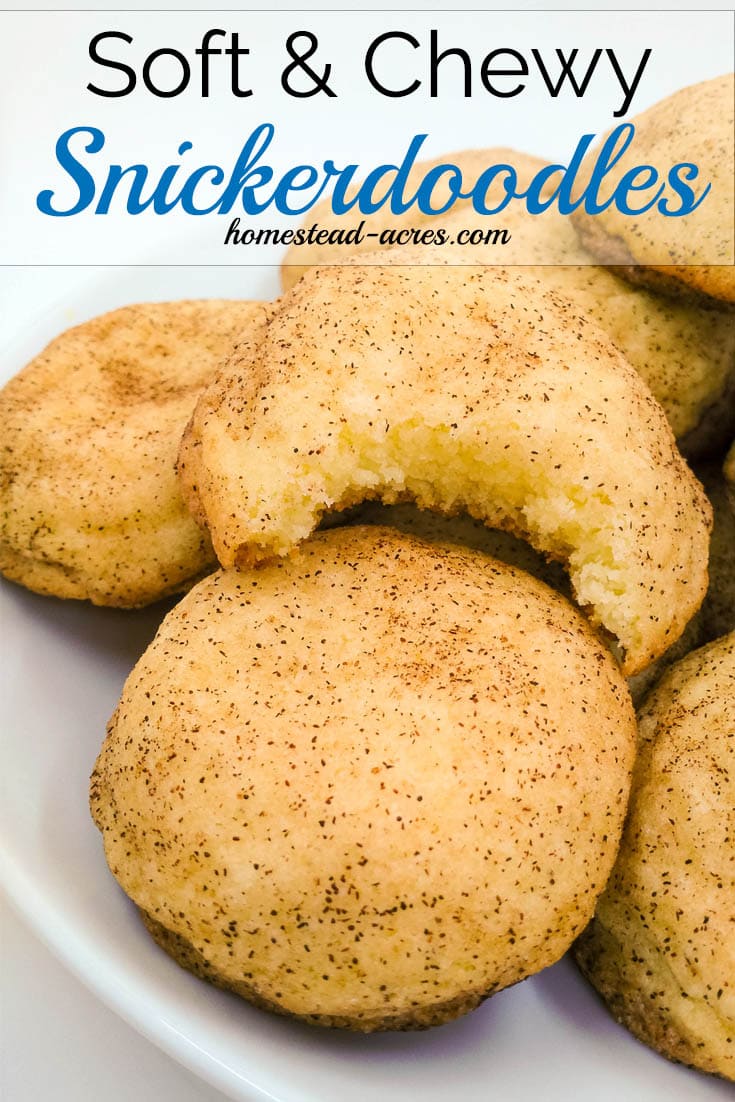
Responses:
[90,506]
[463,389]
[661,949]
[368,785]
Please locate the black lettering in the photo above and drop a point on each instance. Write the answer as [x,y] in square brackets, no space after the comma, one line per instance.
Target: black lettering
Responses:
[205,51]
[567,72]
[487,72]
[628,89]
[452,52]
[390,237]
[355,235]
[232,236]
[236,51]
[370,72]
[185,73]
[108,64]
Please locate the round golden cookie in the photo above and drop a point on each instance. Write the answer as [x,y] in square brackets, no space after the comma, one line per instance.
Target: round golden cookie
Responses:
[695,252]
[685,354]
[460,388]
[89,500]
[368,785]
[660,949]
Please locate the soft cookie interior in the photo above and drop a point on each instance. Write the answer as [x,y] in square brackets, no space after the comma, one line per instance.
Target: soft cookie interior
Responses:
[464,390]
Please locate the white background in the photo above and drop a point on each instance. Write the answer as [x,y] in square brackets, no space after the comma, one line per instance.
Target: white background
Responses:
[59,1044]
[46,69]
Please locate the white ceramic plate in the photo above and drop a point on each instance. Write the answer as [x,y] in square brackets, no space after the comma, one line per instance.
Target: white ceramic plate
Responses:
[62,665]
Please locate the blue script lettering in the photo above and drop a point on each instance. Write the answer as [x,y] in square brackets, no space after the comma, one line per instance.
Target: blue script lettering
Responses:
[253,186]
[83,179]
[689,201]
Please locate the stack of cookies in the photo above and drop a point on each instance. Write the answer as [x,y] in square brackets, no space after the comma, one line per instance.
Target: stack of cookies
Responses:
[433,518]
